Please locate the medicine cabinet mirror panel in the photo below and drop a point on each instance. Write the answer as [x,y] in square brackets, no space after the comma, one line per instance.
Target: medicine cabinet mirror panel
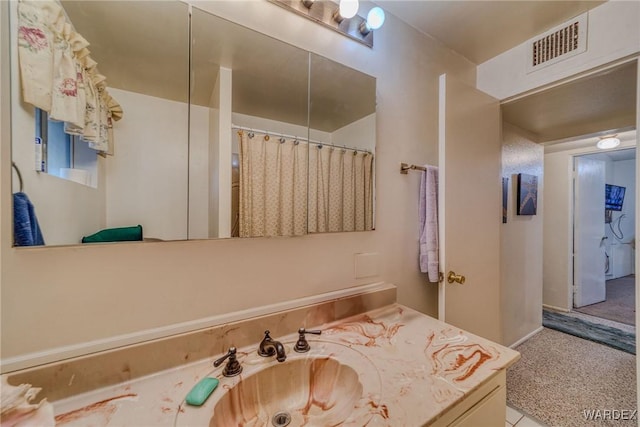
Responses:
[141,48]
[249,117]
[227,156]
[342,131]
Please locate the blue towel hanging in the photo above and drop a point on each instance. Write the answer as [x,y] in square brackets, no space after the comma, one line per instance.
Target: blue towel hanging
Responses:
[26,230]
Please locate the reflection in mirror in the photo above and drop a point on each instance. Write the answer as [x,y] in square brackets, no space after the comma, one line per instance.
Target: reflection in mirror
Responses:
[141,48]
[227,156]
[249,105]
[342,128]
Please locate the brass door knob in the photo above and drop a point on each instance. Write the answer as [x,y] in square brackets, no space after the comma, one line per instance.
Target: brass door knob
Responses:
[453,277]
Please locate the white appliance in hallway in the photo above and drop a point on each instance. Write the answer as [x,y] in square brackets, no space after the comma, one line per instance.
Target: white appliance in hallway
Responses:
[588,232]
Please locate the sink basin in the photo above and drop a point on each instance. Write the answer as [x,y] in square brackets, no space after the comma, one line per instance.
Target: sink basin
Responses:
[318,389]
[329,386]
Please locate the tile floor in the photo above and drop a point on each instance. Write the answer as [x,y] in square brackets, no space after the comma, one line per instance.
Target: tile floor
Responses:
[517,418]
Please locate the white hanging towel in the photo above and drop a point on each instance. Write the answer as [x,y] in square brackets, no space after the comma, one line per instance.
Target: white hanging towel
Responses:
[428,214]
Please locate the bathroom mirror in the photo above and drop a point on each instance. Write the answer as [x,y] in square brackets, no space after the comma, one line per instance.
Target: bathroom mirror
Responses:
[254,91]
[142,49]
[189,126]
[342,131]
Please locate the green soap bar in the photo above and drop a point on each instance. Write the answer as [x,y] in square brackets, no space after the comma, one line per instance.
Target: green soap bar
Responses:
[201,391]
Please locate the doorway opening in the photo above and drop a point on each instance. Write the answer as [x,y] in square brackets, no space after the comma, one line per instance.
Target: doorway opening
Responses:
[604,235]
[567,119]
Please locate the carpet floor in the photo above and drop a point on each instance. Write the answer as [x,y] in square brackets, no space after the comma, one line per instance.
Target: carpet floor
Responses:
[560,376]
[620,304]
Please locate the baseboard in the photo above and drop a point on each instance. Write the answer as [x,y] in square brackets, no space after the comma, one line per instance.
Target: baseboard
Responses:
[526,337]
[553,307]
[65,352]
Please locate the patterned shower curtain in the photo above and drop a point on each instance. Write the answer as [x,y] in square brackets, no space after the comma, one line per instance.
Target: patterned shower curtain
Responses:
[285,193]
[273,186]
[340,189]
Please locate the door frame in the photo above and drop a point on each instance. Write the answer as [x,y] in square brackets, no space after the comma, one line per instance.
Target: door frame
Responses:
[572,213]
[576,76]
[594,150]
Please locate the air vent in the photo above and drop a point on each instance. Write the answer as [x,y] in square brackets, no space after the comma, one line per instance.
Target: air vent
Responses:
[557,44]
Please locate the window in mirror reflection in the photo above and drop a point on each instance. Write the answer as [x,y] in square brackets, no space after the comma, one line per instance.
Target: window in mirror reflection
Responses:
[107,52]
[63,155]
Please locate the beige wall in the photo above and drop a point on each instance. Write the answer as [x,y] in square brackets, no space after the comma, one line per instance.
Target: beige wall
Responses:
[148,174]
[557,262]
[55,297]
[521,240]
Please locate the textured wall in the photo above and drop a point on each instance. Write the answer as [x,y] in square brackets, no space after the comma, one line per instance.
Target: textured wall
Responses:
[521,240]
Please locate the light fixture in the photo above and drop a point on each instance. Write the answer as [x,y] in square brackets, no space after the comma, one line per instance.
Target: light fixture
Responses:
[375,19]
[609,141]
[348,8]
[340,16]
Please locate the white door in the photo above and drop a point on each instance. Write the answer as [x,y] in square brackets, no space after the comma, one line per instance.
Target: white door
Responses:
[588,232]
[469,208]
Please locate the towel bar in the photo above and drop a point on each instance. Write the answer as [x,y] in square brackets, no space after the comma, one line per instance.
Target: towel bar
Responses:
[19,175]
[405,167]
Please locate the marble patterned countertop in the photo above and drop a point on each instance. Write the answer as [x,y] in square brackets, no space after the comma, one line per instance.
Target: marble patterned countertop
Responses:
[411,369]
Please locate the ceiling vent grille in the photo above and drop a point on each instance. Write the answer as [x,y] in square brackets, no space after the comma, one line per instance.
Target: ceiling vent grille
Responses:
[557,44]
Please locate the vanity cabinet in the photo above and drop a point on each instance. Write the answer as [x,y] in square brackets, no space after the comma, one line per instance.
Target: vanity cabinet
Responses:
[486,407]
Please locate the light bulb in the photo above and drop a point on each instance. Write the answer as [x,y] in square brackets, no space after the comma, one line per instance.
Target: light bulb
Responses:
[348,8]
[608,142]
[375,18]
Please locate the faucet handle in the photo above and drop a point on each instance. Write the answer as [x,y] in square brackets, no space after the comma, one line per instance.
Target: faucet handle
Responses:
[302,346]
[270,351]
[233,367]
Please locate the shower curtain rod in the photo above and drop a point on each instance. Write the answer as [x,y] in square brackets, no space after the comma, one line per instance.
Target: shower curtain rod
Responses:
[312,141]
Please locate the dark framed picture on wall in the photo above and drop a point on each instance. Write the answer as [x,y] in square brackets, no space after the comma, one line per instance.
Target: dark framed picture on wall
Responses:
[527,194]
[505,198]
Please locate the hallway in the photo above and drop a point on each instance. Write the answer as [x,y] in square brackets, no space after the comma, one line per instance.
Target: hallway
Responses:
[620,303]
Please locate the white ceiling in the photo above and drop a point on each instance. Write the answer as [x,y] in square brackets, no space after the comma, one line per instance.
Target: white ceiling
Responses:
[480,30]
[614,156]
[602,102]
[620,155]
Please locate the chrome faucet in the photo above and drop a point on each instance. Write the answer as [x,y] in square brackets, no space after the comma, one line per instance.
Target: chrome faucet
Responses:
[269,347]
